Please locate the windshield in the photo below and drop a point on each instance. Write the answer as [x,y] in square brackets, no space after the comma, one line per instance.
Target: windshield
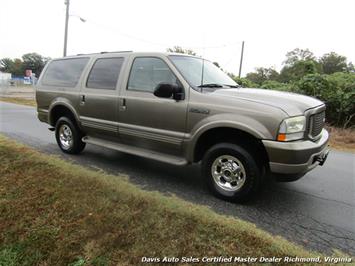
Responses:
[201,73]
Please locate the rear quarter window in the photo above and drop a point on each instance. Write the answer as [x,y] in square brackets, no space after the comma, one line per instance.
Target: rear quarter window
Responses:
[64,72]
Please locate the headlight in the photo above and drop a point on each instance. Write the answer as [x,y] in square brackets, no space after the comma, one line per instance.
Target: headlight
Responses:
[292,128]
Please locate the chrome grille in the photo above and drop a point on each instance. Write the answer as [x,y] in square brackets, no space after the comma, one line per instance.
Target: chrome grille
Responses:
[316,124]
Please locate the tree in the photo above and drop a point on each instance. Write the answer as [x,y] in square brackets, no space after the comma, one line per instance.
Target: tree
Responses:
[180,50]
[351,67]
[298,63]
[18,67]
[298,55]
[298,70]
[6,64]
[35,62]
[332,62]
[15,67]
[262,74]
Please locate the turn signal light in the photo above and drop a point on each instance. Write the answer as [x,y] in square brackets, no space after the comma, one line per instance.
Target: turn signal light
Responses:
[281,137]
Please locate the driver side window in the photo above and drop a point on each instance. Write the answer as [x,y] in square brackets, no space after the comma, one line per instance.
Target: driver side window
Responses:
[148,72]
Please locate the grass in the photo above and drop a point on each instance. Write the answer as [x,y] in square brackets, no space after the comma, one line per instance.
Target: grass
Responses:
[342,139]
[55,213]
[19,100]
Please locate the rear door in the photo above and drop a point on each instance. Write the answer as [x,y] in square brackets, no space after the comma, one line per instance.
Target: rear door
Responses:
[99,96]
[148,121]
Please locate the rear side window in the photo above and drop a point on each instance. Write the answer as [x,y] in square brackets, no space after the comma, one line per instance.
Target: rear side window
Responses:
[104,74]
[64,72]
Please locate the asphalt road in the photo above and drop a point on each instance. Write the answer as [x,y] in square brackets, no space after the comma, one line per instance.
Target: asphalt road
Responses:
[317,211]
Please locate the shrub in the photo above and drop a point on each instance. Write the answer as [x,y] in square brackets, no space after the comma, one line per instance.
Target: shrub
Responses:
[275,85]
[336,90]
[245,83]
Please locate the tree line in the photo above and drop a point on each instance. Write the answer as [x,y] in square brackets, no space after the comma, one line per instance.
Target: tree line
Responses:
[18,66]
[330,78]
[299,63]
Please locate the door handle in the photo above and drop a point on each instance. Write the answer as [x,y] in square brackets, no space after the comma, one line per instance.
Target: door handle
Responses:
[123,105]
[82,99]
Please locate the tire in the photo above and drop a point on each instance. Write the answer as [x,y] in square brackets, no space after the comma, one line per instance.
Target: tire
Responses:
[68,136]
[231,172]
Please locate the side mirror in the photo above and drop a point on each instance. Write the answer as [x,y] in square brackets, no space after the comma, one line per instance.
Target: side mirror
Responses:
[167,90]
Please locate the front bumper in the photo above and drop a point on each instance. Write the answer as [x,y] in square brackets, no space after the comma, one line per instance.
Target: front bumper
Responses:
[297,157]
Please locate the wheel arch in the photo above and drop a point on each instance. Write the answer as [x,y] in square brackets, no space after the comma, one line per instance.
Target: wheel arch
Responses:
[249,140]
[59,109]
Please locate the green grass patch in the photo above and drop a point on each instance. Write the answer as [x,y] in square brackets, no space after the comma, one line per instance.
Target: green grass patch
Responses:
[55,213]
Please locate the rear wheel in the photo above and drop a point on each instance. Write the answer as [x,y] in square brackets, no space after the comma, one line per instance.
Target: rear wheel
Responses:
[68,136]
[231,172]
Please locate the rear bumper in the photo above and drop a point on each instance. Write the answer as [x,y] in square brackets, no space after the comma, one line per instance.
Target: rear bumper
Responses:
[298,157]
[42,115]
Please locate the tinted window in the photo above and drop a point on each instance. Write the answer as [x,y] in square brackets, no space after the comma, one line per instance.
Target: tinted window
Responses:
[147,73]
[64,72]
[104,74]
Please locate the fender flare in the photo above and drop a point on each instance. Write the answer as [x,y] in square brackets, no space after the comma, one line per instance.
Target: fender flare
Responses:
[191,147]
[62,102]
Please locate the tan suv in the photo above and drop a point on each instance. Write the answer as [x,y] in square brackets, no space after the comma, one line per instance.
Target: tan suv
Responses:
[181,109]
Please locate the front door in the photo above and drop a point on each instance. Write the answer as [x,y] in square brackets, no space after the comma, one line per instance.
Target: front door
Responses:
[148,121]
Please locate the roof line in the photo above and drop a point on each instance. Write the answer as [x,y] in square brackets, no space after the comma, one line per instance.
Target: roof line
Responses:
[105,52]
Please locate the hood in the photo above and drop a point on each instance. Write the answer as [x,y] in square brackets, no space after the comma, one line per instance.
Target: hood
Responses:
[291,103]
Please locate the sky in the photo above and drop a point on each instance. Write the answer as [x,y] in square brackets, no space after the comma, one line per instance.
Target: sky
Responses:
[214,29]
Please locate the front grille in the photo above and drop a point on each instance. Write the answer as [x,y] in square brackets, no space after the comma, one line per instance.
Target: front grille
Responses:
[316,124]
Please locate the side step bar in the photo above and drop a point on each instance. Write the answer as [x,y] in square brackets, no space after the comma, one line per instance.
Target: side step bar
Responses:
[162,157]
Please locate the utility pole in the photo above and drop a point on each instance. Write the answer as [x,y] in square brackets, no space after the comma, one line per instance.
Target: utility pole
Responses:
[241,59]
[66,28]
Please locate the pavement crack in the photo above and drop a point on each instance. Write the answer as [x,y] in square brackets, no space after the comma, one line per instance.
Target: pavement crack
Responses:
[324,232]
[313,196]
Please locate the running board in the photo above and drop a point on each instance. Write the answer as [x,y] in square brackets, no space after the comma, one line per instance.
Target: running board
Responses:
[162,157]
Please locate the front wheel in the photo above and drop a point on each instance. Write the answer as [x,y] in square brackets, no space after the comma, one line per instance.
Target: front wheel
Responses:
[68,136]
[231,172]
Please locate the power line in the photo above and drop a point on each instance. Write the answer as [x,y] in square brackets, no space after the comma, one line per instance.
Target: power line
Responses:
[165,45]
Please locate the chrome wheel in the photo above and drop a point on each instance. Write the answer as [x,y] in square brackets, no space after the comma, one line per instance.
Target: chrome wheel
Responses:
[65,136]
[228,173]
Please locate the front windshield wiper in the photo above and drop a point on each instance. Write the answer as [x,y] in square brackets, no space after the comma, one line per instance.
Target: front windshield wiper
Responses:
[210,85]
[216,85]
[232,86]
